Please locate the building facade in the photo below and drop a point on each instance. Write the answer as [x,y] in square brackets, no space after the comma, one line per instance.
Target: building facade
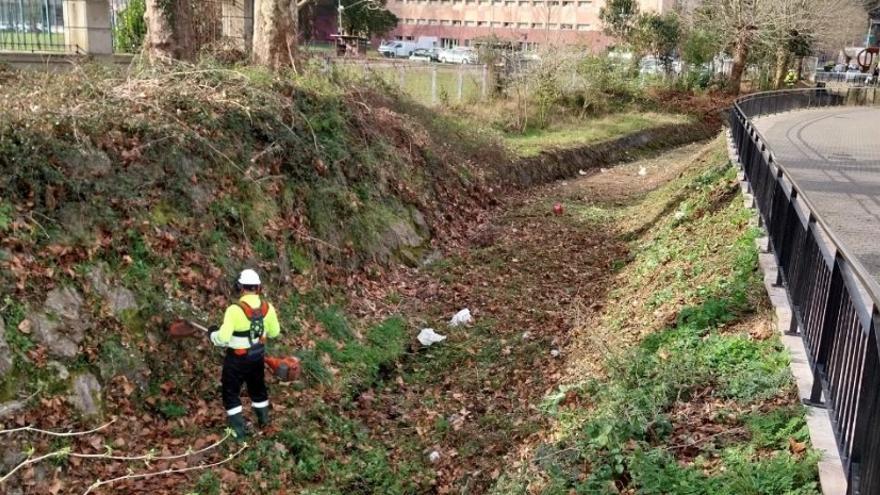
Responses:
[528,23]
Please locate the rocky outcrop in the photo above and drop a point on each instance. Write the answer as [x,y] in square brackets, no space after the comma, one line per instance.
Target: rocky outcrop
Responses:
[5,352]
[61,323]
[85,394]
[117,297]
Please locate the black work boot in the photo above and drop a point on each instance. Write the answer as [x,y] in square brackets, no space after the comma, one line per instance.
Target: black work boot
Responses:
[262,416]
[236,423]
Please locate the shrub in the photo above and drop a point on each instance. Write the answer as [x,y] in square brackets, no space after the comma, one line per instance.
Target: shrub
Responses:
[130,27]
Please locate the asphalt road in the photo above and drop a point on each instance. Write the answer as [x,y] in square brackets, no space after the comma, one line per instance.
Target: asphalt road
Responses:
[834,156]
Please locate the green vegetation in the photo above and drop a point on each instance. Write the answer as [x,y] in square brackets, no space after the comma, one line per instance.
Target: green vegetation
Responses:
[130,27]
[38,42]
[584,133]
[176,178]
[703,404]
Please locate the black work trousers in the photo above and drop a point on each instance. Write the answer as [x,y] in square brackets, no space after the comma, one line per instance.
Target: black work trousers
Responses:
[238,370]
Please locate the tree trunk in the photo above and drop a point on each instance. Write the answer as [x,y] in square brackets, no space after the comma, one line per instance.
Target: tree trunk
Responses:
[275,32]
[740,56]
[184,33]
[782,60]
[169,30]
[160,35]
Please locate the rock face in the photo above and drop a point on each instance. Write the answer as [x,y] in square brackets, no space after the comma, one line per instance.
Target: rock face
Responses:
[118,298]
[86,394]
[11,407]
[5,352]
[61,324]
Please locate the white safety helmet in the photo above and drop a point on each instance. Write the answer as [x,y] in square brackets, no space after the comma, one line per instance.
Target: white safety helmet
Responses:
[249,277]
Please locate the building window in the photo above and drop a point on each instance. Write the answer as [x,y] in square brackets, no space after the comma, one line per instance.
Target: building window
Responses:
[470,23]
[583,27]
[566,27]
[522,25]
[537,25]
[585,3]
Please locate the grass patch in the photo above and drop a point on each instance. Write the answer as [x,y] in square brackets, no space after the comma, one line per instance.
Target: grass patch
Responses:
[583,133]
[694,406]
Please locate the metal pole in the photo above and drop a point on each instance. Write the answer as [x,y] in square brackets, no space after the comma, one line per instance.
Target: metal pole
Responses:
[339,9]
[434,85]
[485,77]
[460,83]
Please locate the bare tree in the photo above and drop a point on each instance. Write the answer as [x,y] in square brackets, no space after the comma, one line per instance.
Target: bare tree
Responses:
[744,24]
[276,32]
[800,25]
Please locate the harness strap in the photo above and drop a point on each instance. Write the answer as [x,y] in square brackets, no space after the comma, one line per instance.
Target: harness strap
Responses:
[252,315]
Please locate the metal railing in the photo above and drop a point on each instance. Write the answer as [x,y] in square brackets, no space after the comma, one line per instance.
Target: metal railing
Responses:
[834,299]
[856,78]
[33,26]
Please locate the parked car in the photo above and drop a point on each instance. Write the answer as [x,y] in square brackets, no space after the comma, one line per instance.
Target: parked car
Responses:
[459,55]
[397,49]
[425,55]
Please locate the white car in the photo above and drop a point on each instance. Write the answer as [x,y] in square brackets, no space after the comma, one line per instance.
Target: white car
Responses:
[458,55]
[397,49]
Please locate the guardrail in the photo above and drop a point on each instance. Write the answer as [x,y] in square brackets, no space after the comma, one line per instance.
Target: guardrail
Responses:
[834,298]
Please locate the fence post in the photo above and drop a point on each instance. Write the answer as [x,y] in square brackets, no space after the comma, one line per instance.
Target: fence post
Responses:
[434,85]
[833,302]
[87,27]
[400,77]
[460,84]
[866,438]
[485,80]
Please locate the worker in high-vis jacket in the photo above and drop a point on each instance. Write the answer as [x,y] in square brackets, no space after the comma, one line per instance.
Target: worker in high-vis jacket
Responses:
[246,326]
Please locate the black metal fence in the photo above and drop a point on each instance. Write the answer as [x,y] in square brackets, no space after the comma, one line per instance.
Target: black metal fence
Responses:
[33,26]
[833,297]
[852,77]
[60,26]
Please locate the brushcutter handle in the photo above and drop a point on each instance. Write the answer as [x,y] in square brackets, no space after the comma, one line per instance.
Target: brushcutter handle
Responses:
[198,327]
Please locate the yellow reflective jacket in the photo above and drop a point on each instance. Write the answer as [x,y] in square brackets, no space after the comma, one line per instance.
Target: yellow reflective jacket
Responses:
[236,321]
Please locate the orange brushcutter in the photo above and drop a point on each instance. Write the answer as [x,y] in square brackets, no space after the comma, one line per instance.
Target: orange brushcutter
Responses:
[285,368]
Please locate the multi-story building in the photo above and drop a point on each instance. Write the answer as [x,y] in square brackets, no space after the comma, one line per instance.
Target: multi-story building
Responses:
[528,23]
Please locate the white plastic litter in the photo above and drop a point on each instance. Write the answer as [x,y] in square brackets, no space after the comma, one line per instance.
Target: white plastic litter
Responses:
[434,456]
[428,337]
[463,317]
[603,170]
[555,353]
[581,172]
[526,335]
[643,171]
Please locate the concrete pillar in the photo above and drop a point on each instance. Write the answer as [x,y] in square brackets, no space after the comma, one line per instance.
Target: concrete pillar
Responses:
[238,23]
[87,27]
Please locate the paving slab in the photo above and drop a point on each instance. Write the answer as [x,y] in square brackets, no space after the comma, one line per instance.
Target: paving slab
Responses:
[834,156]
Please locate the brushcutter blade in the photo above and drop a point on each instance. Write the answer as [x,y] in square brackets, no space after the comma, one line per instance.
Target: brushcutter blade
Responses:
[182,329]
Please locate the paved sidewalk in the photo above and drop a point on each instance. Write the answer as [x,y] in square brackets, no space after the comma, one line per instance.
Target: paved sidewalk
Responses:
[834,155]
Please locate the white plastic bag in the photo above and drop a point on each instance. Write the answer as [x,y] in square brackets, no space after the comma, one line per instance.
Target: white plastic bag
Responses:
[428,337]
[463,317]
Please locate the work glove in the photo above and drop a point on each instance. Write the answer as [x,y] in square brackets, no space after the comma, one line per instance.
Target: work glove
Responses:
[211,330]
